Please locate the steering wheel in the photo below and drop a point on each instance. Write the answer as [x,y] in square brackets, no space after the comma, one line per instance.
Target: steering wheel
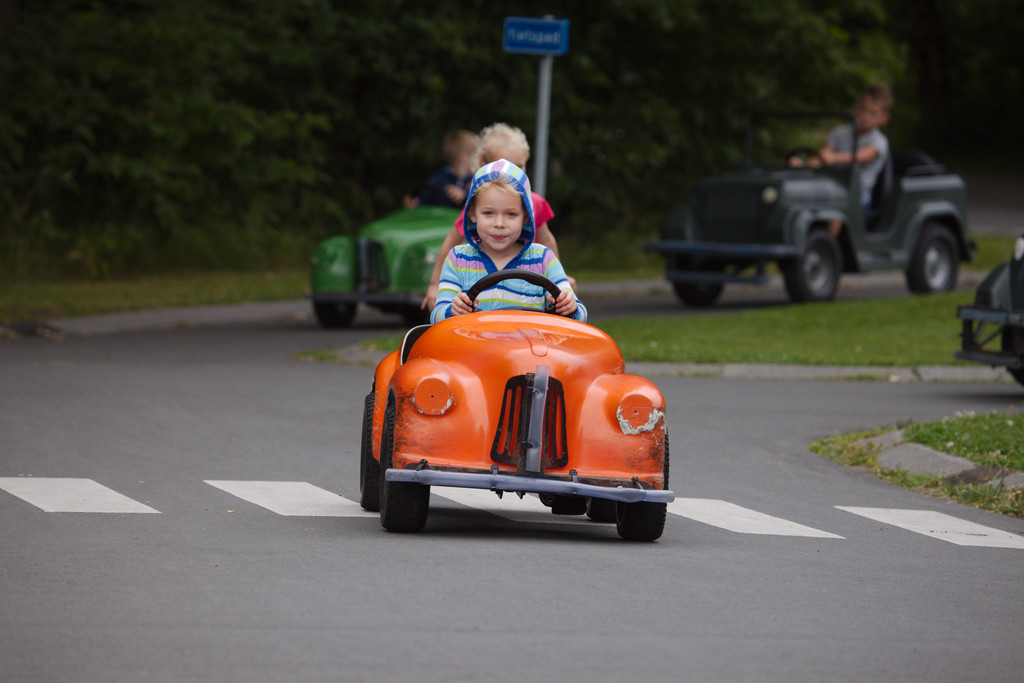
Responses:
[804,151]
[491,279]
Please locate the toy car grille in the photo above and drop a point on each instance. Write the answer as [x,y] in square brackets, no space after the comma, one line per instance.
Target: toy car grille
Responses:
[373,266]
[511,438]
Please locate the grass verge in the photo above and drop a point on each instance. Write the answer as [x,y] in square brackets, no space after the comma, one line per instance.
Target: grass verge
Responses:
[36,301]
[990,440]
[907,331]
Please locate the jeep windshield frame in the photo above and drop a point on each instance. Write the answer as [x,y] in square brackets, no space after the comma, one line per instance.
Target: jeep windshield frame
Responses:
[758,119]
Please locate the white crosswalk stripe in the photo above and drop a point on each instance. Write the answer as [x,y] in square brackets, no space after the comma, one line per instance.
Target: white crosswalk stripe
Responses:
[509,506]
[292,498]
[941,526]
[302,499]
[741,520]
[58,494]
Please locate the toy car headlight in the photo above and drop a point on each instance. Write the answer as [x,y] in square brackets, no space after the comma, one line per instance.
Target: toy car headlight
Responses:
[1018,249]
[433,396]
[637,414]
[769,194]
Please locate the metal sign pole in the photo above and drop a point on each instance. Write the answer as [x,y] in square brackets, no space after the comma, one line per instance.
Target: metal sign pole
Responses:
[540,162]
[547,37]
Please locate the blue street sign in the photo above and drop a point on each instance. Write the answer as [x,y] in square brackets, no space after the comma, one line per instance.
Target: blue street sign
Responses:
[524,35]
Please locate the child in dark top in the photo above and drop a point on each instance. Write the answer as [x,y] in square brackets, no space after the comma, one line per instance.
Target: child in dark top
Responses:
[449,185]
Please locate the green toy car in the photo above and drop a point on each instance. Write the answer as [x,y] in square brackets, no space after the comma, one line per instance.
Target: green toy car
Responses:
[387,266]
[769,211]
[993,328]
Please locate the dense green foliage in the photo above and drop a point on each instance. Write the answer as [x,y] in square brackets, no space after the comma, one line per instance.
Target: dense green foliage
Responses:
[146,134]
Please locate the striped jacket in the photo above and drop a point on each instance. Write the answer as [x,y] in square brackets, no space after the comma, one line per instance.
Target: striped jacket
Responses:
[466,264]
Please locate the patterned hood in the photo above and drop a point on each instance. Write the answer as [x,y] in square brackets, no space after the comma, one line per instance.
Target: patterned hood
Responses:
[514,176]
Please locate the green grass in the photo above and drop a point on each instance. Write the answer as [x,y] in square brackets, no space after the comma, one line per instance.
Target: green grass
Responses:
[35,301]
[990,440]
[905,331]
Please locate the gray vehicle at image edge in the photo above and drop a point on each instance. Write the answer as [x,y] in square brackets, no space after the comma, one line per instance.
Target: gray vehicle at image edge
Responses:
[737,223]
[993,327]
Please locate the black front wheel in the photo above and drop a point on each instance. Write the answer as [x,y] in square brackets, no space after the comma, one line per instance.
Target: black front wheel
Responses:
[1013,340]
[698,294]
[640,521]
[334,316]
[815,275]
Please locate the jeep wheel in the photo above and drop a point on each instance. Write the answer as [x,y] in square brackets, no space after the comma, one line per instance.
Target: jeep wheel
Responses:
[369,468]
[403,505]
[1008,344]
[698,294]
[334,316]
[936,259]
[815,275]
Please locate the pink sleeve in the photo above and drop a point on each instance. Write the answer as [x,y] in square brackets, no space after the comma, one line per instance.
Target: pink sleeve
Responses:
[458,225]
[542,211]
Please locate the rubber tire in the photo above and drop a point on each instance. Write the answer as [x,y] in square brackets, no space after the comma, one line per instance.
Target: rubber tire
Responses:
[334,316]
[568,505]
[369,468]
[1007,344]
[698,295]
[403,505]
[936,261]
[601,510]
[643,521]
[640,521]
[815,275]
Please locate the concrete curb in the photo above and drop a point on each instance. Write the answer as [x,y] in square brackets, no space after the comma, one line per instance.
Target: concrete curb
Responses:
[896,454]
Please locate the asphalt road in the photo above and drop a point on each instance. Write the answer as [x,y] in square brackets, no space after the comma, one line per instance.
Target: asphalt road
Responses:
[226,554]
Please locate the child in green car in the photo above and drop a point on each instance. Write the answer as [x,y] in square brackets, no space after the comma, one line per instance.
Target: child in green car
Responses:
[498,141]
[449,185]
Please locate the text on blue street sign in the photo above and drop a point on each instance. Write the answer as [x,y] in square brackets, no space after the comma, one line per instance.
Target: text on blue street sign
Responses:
[536,36]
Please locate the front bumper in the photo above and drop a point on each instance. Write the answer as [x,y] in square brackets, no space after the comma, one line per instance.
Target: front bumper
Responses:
[974,336]
[721,254]
[512,483]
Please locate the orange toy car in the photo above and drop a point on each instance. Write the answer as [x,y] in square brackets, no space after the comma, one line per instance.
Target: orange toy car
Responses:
[515,401]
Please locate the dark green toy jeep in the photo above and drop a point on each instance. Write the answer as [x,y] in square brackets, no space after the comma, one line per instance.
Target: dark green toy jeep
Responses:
[387,265]
[737,223]
[993,328]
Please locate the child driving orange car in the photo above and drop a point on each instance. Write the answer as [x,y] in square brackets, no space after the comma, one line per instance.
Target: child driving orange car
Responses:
[500,228]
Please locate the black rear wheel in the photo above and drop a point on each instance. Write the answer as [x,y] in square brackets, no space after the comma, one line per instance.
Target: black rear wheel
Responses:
[403,505]
[369,468]
[601,509]
[568,505]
